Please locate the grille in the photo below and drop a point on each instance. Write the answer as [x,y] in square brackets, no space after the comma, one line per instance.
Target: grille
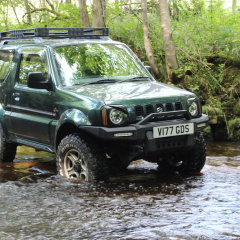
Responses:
[169,107]
[139,111]
[178,106]
[149,109]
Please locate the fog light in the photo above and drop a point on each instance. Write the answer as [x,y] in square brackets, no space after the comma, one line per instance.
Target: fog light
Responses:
[201,125]
[127,134]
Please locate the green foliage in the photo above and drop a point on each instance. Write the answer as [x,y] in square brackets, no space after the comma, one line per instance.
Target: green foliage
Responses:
[206,38]
[128,29]
[234,128]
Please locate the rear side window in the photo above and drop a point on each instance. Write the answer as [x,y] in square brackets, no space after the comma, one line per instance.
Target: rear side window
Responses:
[6,59]
[33,59]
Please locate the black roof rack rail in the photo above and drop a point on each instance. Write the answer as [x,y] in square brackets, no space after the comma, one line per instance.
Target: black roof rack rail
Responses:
[54,33]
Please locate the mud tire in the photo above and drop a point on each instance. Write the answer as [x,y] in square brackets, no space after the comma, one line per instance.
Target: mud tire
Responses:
[7,150]
[189,161]
[81,159]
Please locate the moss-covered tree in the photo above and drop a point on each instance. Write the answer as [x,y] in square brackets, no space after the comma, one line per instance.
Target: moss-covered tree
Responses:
[170,54]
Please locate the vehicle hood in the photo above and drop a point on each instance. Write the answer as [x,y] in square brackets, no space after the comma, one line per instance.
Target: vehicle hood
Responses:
[132,93]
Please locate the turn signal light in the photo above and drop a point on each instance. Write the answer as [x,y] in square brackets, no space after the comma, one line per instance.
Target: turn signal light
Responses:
[104,117]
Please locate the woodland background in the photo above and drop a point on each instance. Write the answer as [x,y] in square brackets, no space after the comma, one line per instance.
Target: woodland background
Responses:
[191,44]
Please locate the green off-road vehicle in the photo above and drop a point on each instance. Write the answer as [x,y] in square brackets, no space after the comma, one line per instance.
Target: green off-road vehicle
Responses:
[89,99]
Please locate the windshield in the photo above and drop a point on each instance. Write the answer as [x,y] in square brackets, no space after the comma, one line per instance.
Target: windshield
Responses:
[86,63]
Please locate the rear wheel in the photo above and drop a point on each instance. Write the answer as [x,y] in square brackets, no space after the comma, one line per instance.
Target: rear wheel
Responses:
[81,159]
[192,160]
[7,150]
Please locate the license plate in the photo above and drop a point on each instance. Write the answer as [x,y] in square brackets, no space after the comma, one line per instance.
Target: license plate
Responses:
[173,130]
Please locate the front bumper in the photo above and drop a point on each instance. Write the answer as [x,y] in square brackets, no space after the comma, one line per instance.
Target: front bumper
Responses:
[138,131]
[139,136]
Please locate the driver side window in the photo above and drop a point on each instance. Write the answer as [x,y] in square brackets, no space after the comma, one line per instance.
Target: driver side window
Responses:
[33,59]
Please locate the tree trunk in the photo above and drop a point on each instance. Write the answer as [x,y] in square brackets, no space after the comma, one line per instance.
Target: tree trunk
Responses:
[175,9]
[98,13]
[6,19]
[14,10]
[170,55]
[234,5]
[84,13]
[147,42]
[29,18]
[43,3]
[45,16]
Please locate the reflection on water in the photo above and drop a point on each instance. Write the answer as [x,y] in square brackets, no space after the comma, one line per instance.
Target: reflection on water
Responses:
[139,203]
[28,164]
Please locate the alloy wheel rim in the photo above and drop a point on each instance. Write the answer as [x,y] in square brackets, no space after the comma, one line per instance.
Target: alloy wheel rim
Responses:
[74,165]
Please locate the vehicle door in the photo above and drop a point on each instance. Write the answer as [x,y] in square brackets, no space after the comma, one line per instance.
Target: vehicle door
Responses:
[32,109]
[6,83]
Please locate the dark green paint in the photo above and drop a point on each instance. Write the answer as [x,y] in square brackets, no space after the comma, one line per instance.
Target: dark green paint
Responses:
[33,117]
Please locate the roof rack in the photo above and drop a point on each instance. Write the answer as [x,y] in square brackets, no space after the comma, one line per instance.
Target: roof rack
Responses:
[49,33]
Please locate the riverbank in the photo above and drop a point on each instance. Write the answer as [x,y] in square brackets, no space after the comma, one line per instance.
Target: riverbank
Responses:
[220,97]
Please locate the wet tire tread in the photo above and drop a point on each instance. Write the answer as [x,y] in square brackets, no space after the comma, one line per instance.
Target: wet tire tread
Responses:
[193,160]
[7,150]
[198,155]
[93,155]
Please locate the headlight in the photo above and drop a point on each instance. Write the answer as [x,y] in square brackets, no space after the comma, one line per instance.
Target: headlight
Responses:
[193,109]
[113,115]
[116,116]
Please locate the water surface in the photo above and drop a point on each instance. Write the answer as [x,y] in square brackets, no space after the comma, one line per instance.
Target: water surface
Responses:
[139,203]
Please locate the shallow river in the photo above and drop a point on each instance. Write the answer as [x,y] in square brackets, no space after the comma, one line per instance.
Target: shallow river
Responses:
[139,203]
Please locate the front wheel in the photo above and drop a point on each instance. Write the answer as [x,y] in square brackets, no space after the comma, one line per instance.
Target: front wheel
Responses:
[81,159]
[192,160]
[7,150]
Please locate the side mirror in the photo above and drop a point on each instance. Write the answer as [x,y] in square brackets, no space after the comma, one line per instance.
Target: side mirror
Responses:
[148,68]
[37,80]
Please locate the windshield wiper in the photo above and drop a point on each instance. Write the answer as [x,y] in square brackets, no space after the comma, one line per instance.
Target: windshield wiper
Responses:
[108,80]
[99,81]
[138,78]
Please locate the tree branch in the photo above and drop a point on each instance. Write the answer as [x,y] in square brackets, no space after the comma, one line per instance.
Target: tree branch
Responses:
[205,64]
[45,9]
[14,10]
[50,4]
